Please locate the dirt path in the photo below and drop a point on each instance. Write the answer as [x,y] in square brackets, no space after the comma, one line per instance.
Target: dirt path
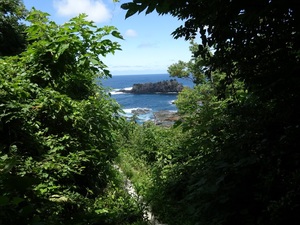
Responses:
[148,215]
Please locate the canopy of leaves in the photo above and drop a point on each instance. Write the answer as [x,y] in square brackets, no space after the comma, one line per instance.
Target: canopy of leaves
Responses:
[198,69]
[57,128]
[12,31]
[245,36]
[240,164]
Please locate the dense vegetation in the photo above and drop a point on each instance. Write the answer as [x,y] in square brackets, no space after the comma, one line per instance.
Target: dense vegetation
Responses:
[233,158]
[237,161]
[12,31]
[58,128]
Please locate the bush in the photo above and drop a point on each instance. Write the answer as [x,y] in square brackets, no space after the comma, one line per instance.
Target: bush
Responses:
[57,128]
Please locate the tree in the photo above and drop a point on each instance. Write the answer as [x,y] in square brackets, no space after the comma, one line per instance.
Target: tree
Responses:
[12,30]
[241,164]
[266,29]
[197,69]
[57,128]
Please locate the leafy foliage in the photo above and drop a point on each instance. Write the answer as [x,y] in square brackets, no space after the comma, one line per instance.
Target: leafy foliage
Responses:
[197,69]
[239,163]
[58,128]
[244,36]
[12,30]
[146,155]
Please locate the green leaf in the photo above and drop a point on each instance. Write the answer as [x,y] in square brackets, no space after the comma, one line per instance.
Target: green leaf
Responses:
[8,165]
[130,13]
[150,9]
[62,48]
[117,34]
[131,8]
[101,211]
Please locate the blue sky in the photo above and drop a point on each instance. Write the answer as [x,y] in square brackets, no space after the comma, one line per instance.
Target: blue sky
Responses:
[148,46]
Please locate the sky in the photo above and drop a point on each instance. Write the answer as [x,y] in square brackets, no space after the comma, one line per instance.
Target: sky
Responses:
[148,46]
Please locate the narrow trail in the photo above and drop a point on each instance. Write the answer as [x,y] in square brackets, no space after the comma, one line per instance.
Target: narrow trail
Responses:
[148,215]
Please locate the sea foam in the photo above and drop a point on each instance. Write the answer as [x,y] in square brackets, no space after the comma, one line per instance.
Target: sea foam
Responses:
[119,92]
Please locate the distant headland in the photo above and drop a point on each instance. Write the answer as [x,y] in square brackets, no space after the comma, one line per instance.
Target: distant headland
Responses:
[161,87]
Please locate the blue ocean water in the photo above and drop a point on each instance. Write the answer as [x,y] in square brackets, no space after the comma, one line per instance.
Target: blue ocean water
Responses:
[149,102]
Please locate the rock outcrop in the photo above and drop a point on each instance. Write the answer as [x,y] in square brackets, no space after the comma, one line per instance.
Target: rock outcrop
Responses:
[165,118]
[162,87]
[140,111]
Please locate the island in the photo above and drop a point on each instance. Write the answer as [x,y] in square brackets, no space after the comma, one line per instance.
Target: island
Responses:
[161,87]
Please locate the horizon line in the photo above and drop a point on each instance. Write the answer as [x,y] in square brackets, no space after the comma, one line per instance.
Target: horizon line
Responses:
[140,74]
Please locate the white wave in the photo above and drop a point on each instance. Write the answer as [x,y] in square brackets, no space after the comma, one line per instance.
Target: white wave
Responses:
[147,115]
[119,92]
[172,102]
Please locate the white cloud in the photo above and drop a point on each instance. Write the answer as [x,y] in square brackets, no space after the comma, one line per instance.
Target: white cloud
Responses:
[95,9]
[130,33]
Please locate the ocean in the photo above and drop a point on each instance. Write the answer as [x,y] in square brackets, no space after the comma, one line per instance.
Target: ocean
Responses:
[149,103]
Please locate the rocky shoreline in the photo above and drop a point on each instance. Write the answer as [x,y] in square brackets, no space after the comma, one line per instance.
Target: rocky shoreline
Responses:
[161,118]
[164,118]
